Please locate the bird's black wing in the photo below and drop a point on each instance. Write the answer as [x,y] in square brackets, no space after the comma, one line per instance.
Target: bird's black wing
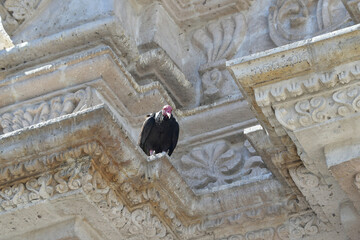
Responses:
[145,130]
[175,136]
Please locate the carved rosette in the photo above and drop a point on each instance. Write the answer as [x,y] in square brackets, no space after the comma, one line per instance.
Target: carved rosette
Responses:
[219,41]
[15,12]
[219,164]
[294,20]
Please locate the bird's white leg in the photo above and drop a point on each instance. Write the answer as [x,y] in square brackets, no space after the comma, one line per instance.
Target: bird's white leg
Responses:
[152,152]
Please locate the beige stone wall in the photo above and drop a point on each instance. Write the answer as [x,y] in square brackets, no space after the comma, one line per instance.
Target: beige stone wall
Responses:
[77,79]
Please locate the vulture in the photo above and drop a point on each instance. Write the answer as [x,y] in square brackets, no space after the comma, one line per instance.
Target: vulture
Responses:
[159,133]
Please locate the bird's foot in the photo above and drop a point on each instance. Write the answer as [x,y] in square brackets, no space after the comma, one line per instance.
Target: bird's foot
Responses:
[152,152]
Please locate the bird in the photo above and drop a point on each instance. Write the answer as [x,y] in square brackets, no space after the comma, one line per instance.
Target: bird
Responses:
[159,132]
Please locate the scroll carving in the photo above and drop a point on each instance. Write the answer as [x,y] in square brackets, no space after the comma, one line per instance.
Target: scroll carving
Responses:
[306,225]
[140,222]
[57,106]
[80,173]
[294,20]
[41,188]
[304,179]
[298,227]
[38,165]
[337,104]
[310,84]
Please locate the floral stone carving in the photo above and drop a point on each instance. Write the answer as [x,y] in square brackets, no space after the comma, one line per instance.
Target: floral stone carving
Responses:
[55,107]
[219,41]
[307,225]
[294,20]
[218,164]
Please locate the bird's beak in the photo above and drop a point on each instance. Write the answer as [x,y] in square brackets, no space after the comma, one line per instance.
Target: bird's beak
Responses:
[168,114]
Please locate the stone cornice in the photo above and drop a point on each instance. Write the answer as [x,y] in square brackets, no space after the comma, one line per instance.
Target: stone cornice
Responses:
[127,168]
[71,41]
[301,92]
[318,54]
[77,69]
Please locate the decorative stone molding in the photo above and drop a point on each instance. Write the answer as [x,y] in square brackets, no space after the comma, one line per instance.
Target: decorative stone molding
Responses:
[329,106]
[322,198]
[123,168]
[296,227]
[219,163]
[68,146]
[38,165]
[314,107]
[219,41]
[308,84]
[43,187]
[79,175]
[290,21]
[140,222]
[157,62]
[40,112]
[306,225]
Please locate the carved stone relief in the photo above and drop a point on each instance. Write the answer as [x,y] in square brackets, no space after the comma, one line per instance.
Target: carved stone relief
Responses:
[322,197]
[219,163]
[40,112]
[294,20]
[337,104]
[219,42]
[184,11]
[297,227]
[15,12]
[312,83]
[43,187]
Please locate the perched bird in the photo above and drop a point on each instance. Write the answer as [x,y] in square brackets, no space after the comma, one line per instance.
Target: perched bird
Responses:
[159,133]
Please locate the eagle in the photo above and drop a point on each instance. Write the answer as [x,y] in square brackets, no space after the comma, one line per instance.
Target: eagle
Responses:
[159,132]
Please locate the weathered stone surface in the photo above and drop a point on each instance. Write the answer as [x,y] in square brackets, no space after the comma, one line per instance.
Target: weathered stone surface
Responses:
[82,75]
[315,104]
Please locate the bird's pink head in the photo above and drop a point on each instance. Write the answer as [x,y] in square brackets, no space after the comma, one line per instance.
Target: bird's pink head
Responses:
[166,111]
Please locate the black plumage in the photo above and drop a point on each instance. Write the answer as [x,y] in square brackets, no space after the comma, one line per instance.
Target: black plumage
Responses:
[159,133]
